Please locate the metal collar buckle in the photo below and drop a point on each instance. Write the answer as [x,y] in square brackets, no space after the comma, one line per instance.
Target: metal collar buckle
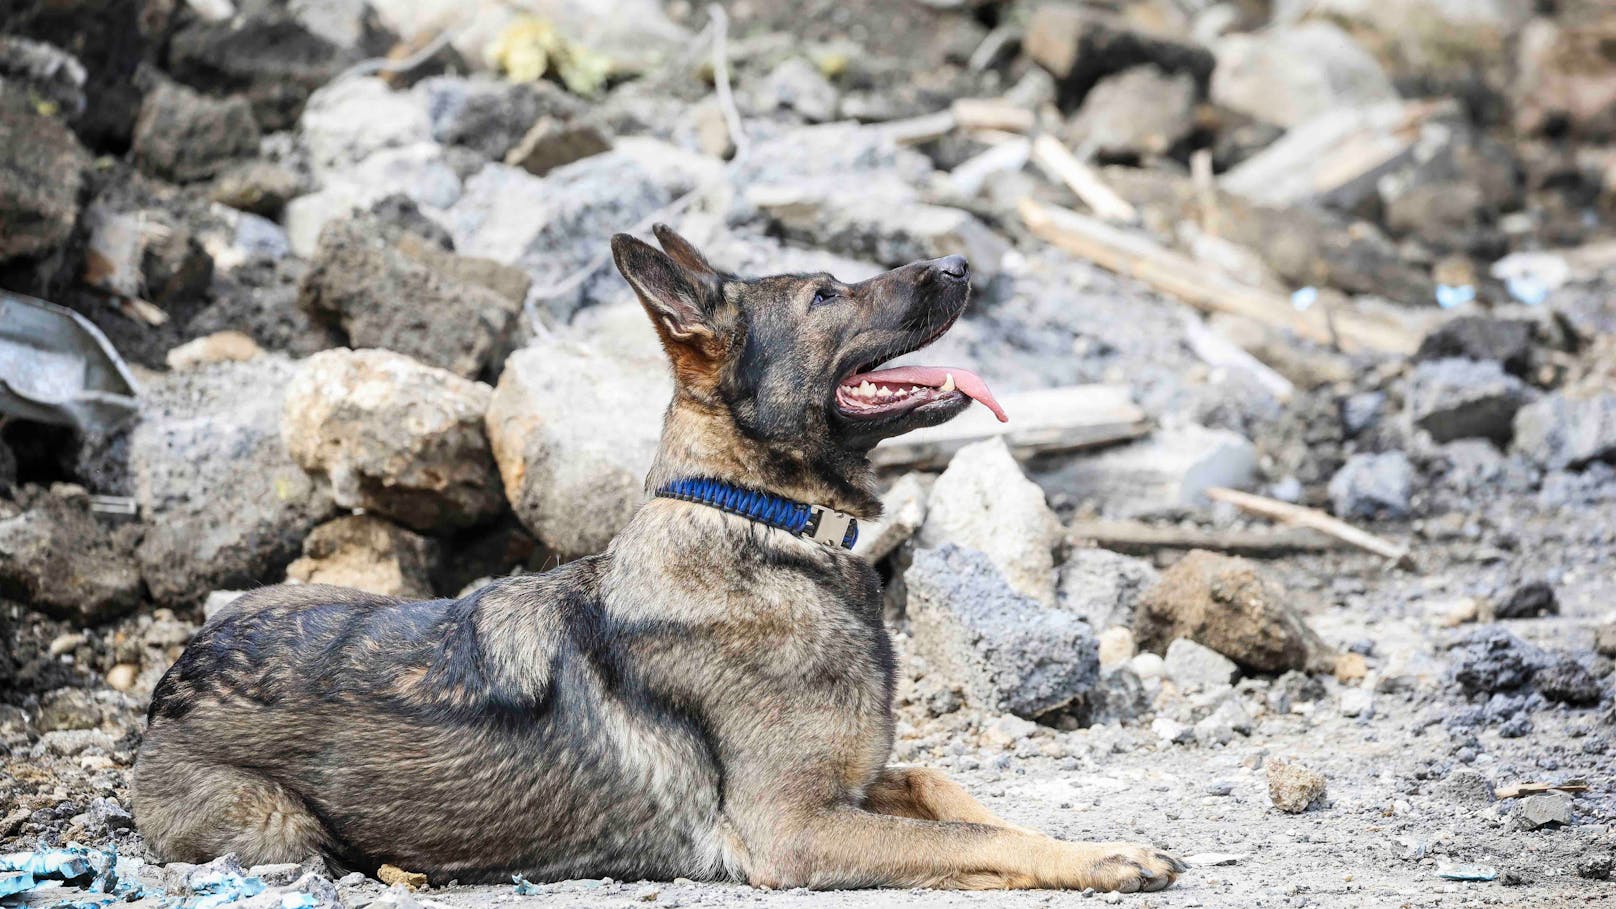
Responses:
[828,526]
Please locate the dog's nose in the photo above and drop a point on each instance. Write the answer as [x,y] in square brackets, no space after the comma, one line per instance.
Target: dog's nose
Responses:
[953,268]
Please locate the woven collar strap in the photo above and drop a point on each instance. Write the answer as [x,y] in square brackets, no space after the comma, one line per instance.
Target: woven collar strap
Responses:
[816,522]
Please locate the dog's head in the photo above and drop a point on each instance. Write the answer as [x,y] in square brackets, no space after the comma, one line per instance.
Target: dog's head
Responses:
[794,360]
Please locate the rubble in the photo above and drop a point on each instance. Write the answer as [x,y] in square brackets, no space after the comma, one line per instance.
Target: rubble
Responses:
[490,116]
[267,56]
[1373,485]
[394,437]
[185,136]
[1458,399]
[1292,787]
[1079,45]
[1507,342]
[1140,112]
[1567,681]
[42,170]
[979,503]
[1009,653]
[1103,587]
[573,430]
[1194,667]
[1287,74]
[1527,600]
[1231,606]
[368,554]
[1568,428]
[1169,470]
[1547,809]
[552,143]
[223,502]
[1490,660]
[396,290]
[56,557]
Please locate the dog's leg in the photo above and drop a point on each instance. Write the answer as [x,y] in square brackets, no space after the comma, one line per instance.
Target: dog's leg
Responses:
[214,810]
[926,794]
[851,847]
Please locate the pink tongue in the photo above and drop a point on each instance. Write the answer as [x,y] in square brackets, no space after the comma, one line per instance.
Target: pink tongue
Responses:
[969,383]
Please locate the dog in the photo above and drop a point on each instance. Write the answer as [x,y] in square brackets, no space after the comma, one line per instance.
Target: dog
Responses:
[709,698]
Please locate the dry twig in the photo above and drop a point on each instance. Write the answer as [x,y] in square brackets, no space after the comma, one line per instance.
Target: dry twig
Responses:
[1303,516]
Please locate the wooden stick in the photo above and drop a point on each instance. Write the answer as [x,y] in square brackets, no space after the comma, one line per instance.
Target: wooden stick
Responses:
[1303,516]
[992,113]
[1082,179]
[1519,790]
[1206,289]
[1045,421]
[1140,538]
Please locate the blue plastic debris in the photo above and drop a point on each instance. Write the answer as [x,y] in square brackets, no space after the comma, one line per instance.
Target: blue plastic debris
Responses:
[69,864]
[14,882]
[524,887]
[1304,297]
[220,888]
[1448,296]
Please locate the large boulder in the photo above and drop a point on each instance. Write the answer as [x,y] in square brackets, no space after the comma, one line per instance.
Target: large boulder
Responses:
[1231,606]
[574,430]
[42,170]
[1570,428]
[224,504]
[184,136]
[394,437]
[1287,75]
[368,554]
[56,557]
[397,290]
[984,502]
[1008,652]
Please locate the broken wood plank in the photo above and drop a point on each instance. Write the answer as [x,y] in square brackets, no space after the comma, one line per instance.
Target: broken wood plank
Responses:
[1303,516]
[1520,790]
[1141,538]
[1204,288]
[1083,180]
[916,130]
[1046,421]
[992,113]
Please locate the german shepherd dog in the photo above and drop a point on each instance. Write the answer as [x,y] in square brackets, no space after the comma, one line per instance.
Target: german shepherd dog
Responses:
[710,698]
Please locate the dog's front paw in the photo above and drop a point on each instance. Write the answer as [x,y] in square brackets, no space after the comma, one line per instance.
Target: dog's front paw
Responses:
[1129,867]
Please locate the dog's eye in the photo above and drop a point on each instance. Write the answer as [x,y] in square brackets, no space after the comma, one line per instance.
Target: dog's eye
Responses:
[821,297]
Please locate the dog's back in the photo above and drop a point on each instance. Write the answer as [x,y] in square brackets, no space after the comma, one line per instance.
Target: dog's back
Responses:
[373,730]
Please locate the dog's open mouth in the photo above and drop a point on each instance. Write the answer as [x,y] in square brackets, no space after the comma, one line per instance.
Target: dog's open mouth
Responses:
[884,392]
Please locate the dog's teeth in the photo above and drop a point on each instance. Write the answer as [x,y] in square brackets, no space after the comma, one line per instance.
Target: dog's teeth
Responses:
[866,388]
[884,392]
[948,383]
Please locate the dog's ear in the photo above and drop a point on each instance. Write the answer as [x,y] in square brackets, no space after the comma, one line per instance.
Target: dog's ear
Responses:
[688,257]
[676,299]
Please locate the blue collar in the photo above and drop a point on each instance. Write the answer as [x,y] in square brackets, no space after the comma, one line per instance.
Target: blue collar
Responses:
[824,525]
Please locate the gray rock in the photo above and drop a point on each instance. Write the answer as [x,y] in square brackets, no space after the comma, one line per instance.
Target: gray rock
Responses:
[367,553]
[277,875]
[398,291]
[138,247]
[797,85]
[1567,681]
[1222,725]
[574,430]
[1460,399]
[1291,787]
[1103,587]
[36,70]
[984,502]
[490,115]
[1605,638]
[267,56]
[1141,112]
[1357,702]
[1172,731]
[1373,486]
[224,504]
[56,557]
[1192,666]
[903,510]
[1490,659]
[553,143]
[260,187]
[555,226]
[1118,697]
[1167,471]
[394,437]
[1526,600]
[1507,342]
[1288,74]
[1569,428]
[1548,809]
[347,121]
[104,816]
[1079,45]
[42,169]
[1008,652]
[184,136]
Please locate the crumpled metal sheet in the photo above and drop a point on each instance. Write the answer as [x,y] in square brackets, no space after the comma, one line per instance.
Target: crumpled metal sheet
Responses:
[57,367]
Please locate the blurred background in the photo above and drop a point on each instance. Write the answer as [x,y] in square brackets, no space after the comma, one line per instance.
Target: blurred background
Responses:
[320,291]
